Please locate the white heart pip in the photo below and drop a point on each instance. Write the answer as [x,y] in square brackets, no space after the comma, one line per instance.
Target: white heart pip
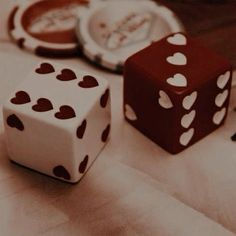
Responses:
[189,100]
[219,116]
[177,39]
[129,113]
[164,100]
[186,137]
[178,80]
[187,119]
[178,59]
[223,79]
[221,98]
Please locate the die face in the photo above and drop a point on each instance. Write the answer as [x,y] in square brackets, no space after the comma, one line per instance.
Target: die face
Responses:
[92,135]
[148,110]
[39,145]
[59,96]
[55,119]
[179,67]
[176,111]
[203,117]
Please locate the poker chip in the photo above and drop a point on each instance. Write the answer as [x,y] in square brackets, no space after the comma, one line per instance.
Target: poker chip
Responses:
[46,27]
[111,31]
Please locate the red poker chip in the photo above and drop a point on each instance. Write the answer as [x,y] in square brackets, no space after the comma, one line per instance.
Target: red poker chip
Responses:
[46,27]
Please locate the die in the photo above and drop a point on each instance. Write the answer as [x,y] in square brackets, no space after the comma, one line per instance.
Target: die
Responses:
[57,121]
[176,91]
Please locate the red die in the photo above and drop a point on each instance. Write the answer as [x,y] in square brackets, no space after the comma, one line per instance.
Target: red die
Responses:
[176,91]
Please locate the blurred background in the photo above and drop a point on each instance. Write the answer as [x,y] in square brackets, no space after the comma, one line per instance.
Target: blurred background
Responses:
[212,21]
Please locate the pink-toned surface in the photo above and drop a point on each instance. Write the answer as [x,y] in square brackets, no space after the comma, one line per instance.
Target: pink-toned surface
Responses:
[134,187]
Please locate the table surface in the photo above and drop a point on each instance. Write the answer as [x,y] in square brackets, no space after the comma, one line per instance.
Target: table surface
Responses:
[134,187]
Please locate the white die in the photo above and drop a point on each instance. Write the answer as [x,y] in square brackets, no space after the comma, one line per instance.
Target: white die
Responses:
[57,121]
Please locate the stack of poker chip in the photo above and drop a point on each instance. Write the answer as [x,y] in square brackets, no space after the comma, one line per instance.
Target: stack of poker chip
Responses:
[107,32]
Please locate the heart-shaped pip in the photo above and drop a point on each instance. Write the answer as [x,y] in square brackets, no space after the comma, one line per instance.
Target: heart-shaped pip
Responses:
[177,39]
[219,116]
[189,100]
[178,80]
[106,133]
[164,100]
[188,119]
[66,112]
[178,59]
[223,79]
[104,99]
[81,129]
[221,98]
[88,82]
[186,137]
[233,137]
[129,113]
[43,105]
[14,122]
[45,68]
[66,75]
[20,98]
[61,172]
[83,165]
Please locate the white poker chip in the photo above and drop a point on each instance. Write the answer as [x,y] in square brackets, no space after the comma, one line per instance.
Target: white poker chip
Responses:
[111,31]
[46,27]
